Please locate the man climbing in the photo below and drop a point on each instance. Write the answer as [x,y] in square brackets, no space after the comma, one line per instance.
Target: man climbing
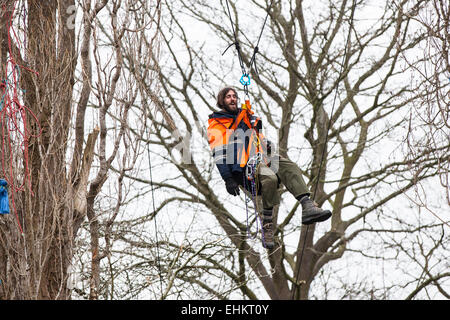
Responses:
[237,143]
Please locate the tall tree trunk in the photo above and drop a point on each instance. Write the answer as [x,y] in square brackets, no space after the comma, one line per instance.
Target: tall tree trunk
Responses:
[35,263]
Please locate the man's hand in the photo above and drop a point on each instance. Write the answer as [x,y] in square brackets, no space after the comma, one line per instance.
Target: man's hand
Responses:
[232,187]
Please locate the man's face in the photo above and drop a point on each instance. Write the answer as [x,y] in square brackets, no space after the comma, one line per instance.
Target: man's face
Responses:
[230,101]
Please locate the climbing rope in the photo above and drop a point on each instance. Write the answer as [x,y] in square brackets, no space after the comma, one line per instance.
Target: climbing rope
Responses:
[154,208]
[245,79]
[251,170]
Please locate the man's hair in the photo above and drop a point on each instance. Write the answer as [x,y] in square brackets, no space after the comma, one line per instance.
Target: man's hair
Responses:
[221,96]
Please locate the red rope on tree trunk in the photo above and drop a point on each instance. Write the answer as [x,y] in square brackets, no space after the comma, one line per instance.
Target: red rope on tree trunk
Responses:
[14,115]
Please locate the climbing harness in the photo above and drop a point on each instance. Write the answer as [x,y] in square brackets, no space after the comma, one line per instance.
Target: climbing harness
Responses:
[251,174]
[250,177]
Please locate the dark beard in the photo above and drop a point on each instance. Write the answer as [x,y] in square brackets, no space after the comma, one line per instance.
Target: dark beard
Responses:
[227,108]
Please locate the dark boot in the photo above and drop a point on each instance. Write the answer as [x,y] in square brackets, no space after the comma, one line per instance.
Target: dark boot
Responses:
[267,226]
[311,212]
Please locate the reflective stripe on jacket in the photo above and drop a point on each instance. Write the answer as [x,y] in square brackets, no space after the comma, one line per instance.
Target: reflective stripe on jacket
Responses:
[233,139]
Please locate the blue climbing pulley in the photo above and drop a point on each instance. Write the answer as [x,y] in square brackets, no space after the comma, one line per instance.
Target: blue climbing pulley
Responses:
[245,79]
[4,202]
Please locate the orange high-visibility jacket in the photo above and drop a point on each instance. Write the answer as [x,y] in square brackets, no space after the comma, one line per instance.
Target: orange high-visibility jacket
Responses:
[234,139]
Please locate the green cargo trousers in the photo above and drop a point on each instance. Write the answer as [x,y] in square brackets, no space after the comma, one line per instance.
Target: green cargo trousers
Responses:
[285,171]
